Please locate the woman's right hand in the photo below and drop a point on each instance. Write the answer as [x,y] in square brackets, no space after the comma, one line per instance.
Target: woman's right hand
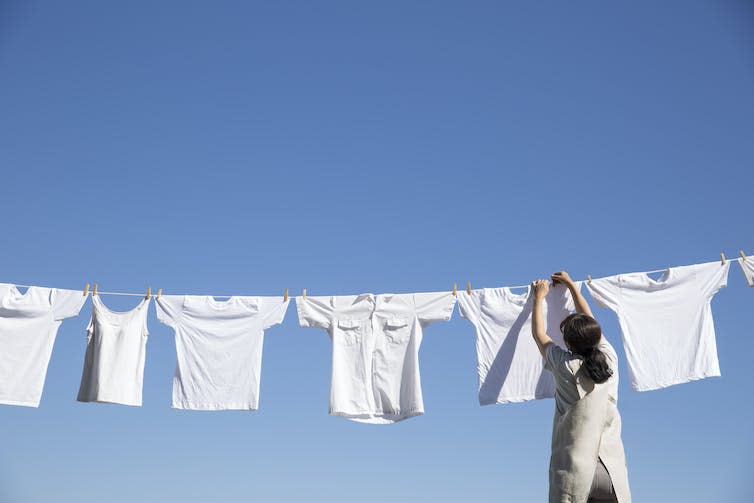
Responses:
[562,277]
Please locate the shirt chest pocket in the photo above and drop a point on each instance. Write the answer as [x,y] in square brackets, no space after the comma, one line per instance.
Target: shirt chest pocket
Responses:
[349,332]
[397,330]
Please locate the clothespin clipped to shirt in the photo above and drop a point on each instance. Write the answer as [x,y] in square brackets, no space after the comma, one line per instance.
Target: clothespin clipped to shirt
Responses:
[159,292]
[589,278]
[303,293]
[285,295]
[94,292]
[743,255]
[455,290]
[149,293]
[468,288]
[86,288]
[722,258]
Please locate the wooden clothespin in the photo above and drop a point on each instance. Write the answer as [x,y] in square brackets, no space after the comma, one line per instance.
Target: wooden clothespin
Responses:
[285,295]
[743,255]
[86,288]
[455,290]
[159,292]
[468,288]
[94,292]
[722,258]
[589,278]
[149,293]
[303,294]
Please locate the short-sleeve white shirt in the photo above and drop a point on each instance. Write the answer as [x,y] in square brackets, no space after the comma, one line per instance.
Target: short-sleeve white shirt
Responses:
[218,348]
[509,363]
[29,323]
[666,323]
[375,357]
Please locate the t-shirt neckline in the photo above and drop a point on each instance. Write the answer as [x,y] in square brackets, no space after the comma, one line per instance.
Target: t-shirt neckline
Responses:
[517,298]
[658,283]
[220,304]
[18,295]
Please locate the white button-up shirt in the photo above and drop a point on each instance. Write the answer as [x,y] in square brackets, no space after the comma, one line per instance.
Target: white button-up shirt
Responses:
[375,359]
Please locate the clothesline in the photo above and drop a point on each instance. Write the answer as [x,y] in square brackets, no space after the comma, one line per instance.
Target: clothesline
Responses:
[143,294]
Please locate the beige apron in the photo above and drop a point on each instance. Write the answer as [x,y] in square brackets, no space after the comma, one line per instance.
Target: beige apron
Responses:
[588,429]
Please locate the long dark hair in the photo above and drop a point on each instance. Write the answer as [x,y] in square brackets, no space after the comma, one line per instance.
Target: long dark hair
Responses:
[583,333]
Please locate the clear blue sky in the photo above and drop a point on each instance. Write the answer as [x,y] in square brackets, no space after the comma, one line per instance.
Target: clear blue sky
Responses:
[246,147]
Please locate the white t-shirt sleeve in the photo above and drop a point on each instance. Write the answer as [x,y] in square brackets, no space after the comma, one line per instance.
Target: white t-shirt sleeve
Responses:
[605,291]
[314,312]
[711,277]
[434,306]
[66,303]
[555,359]
[273,309]
[747,266]
[169,309]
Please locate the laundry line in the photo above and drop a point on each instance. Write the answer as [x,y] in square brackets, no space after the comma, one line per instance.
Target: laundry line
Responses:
[285,292]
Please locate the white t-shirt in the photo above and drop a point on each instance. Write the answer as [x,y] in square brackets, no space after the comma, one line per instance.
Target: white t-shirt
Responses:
[667,327]
[219,348]
[28,325]
[114,361]
[375,357]
[747,265]
[509,364]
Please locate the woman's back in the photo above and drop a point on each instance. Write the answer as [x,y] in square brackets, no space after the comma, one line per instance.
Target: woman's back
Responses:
[565,367]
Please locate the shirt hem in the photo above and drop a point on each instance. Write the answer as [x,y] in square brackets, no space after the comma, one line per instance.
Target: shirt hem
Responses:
[110,401]
[518,399]
[680,380]
[372,417]
[17,402]
[213,406]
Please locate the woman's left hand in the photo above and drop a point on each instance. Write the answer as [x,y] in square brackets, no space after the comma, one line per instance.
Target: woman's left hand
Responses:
[540,287]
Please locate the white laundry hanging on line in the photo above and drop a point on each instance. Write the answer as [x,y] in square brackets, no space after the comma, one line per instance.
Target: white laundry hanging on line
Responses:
[218,348]
[747,266]
[115,352]
[666,323]
[29,323]
[375,355]
[509,364]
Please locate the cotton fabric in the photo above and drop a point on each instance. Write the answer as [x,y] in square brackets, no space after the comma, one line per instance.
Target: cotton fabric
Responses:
[586,428]
[375,355]
[747,266]
[509,364]
[666,323]
[29,323]
[219,348]
[115,352]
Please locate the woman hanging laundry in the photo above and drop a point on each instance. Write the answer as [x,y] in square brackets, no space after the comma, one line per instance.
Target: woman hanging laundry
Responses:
[587,462]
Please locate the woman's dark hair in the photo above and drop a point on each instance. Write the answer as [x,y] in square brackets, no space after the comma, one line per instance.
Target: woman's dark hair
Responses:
[583,333]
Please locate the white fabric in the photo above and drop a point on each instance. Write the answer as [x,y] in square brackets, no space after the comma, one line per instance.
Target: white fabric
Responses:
[509,364]
[667,327]
[375,357]
[218,348]
[29,323]
[747,266]
[586,428]
[115,351]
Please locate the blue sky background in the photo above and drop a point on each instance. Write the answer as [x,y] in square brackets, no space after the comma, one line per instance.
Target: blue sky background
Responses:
[246,147]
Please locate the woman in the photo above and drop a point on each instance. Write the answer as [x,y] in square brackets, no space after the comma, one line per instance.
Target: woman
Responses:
[587,462]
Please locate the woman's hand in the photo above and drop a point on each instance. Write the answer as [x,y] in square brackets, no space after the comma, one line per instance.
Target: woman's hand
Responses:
[540,287]
[562,277]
